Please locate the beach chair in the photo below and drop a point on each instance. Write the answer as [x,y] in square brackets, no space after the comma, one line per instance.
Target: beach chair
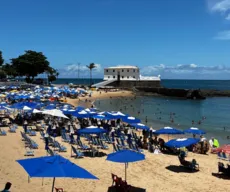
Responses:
[12,129]
[29,152]
[137,149]
[76,152]
[108,139]
[33,144]
[2,132]
[50,152]
[102,137]
[31,132]
[67,137]
[123,145]
[118,147]
[114,147]
[103,146]
[82,146]
[60,147]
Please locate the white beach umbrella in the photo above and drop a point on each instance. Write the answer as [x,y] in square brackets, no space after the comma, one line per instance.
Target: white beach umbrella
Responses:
[55,113]
[26,108]
[37,111]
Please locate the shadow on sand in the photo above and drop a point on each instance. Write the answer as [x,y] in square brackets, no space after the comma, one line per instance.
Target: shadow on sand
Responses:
[180,169]
[221,176]
[99,154]
[132,189]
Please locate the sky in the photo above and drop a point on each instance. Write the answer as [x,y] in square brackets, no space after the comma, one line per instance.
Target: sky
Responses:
[177,39]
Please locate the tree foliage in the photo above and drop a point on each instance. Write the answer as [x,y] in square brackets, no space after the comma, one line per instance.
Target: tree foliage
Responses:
[9,70]
[52,74]
[91,66]
[30,64]
[2,74]
[1,59]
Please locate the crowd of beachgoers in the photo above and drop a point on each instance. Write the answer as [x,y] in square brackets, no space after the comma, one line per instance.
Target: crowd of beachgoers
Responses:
[48,121]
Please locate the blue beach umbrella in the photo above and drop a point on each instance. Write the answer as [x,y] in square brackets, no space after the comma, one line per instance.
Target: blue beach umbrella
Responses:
[169,131]
[194,130]
[81,114]
[125,156]
[115,115]
[183,142]
[79,108]
[91,130]
[131,120]
[54,166]
[140,126]
[102,117]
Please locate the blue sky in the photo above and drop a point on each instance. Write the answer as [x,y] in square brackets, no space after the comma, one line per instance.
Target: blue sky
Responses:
[173,38]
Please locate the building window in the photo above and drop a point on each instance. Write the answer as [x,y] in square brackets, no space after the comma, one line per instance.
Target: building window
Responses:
[114,77]
[113,70]
[107,70]
[127,70]
[122,77]
[127,77]
[134,77]
[122,70]
[134,70]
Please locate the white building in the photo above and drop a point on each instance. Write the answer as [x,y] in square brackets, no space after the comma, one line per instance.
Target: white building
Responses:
[126,73]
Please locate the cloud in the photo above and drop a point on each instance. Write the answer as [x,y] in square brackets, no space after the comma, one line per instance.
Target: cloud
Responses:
[228,17]
[223,35]
[177,71]
[220,6]
[71,71]
[187,71]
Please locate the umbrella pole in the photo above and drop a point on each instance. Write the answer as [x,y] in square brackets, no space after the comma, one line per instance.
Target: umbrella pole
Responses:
[53,185]
[125,171]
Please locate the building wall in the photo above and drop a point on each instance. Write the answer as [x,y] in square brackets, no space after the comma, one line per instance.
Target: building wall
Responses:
[134,83]
[125,74]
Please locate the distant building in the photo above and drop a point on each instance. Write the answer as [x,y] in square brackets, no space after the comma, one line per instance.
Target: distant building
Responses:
[122,73]
[126,73]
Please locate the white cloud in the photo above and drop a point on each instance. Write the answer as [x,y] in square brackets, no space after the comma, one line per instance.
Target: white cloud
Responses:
[223,35]
[228,17]
[71,70]
[221,6]
[184,69]
[193,65]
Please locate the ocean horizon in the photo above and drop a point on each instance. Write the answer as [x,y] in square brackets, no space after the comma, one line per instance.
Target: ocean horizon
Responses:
[168,83]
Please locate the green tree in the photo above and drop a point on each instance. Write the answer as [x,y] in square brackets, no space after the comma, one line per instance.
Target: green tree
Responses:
[91,66]
[30,64]
[52,74]
[9,70]
[1,59]
[2,74]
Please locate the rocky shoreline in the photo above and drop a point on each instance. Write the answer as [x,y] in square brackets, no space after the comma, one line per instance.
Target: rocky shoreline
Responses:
[182,93]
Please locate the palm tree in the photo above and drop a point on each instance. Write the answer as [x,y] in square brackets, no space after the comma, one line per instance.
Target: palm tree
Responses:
[91,66]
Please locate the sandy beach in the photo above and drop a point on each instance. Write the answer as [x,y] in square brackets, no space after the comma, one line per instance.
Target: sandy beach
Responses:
[157,173]
[99,95]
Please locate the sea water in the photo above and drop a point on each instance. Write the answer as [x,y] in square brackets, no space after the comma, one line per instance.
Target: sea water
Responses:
[211,115]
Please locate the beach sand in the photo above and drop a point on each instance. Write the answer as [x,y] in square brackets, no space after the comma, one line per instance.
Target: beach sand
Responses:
[157,173]
[99,95]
